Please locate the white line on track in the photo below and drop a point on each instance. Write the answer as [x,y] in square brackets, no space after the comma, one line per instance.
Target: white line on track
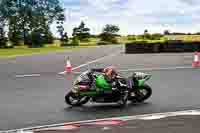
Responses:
[157,68]
[120,70]
[90,62]
[28,75]
[152,116]
[149,69]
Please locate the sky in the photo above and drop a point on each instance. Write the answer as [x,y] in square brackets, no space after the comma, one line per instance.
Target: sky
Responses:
[133,16]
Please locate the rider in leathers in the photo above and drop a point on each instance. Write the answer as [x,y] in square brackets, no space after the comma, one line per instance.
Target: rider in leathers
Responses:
[110,75]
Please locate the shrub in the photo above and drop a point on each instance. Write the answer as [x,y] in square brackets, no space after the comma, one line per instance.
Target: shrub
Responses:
[34,40]
[48,38]
[63,44]
[114,40]
[65,40]
[85,40]
[75,41]
[140,37]
[3,42]
[14,38]
[107,37]
[3,39]
[103,43]
[147,36]
[131,37]
[156,36]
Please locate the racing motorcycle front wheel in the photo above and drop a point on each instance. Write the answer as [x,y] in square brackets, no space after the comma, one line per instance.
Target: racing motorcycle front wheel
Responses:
[75,100]
[141,95]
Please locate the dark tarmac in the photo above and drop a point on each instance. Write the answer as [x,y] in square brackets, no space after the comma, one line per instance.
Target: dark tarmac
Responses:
[35,101]
[180,124]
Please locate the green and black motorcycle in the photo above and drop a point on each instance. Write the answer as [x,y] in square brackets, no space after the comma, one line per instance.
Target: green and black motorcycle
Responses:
[94,87]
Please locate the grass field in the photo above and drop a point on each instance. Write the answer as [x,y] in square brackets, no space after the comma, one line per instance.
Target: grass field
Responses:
[184,37]
[123,39]
[91,42]
[24,51]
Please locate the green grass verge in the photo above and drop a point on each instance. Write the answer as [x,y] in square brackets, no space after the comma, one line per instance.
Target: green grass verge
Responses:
[27,51]
[149,41]
[187,38]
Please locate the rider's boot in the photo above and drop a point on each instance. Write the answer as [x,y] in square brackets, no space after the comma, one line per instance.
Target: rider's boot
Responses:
[123,98]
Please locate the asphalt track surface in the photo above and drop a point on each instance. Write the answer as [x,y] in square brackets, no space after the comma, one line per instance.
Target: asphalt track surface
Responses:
[33,101]
[180,124]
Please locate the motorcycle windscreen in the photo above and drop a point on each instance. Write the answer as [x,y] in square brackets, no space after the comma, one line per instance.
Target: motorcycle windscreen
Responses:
[102,83]
[83,78]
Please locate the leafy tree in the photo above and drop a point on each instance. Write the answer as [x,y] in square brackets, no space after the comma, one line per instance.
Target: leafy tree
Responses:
[39,37]
[65,39]
[75,41]
[8,9]
[93,36]
[47,38]
[146,35]
[131,37]
[156,36]
[81,32]
[111,29]
[60,31]
[145,31]
[140,37]
[34,39]
[2,33]
[2,37]
[60,28]
[14,33]
[166,32]
[27,17]
[109,33]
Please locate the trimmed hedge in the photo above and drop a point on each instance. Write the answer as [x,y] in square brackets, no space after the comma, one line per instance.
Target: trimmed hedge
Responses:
[159,47]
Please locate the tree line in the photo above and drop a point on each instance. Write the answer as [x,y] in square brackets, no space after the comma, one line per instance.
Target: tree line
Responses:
[29,21]
[166,32]
[82,33]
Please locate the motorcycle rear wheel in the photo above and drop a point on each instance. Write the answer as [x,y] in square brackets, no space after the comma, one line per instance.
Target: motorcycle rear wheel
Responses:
[78,99]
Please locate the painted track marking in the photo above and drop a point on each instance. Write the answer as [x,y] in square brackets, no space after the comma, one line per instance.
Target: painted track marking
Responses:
[148,69]
[27,75]
[157,68]
[152,116]
[90,62]
[120,70]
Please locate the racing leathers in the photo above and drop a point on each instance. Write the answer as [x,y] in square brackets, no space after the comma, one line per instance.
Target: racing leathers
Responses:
[109,74]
